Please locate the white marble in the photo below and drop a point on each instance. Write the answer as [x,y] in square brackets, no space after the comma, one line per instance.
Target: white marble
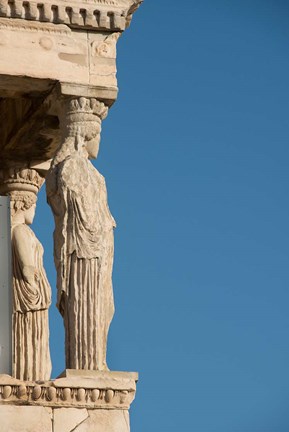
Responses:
[67,419]
[83,236]
[105,421]
[25,419]
[31,289]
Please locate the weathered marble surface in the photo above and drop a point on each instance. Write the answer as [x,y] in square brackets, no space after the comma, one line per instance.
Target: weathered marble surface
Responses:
[75,389]
[65,45]
[26,419]
[31,289]
[91,14]
[40,419]
[57,81]
[79,401]
[73,57]
[67,419]
[83,236]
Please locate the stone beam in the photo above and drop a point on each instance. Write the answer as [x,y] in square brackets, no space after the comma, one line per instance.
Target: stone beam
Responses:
[56,52]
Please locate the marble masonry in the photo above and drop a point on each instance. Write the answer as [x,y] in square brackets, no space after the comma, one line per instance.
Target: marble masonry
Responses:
[80,401]
[57,83]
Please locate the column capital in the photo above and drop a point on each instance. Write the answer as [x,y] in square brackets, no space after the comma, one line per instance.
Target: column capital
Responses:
[20,178]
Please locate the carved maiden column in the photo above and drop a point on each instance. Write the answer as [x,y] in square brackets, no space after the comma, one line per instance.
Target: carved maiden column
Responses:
[31,289]
[83,237]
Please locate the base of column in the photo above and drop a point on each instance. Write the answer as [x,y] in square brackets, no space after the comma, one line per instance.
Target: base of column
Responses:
[78,401]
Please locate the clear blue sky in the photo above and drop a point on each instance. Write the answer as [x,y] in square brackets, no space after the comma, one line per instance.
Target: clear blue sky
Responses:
[196,156]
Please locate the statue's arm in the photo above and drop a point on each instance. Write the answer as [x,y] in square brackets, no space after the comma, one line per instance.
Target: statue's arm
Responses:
[24,247]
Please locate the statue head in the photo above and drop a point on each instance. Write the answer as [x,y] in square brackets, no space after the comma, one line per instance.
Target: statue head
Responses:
[22,206]
[81,126]
[22,186]
[87,138]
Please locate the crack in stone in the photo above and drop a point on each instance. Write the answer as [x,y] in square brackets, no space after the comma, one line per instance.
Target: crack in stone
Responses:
[74,429]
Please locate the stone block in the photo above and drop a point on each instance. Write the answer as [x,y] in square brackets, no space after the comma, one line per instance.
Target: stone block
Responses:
[105,421]
[67,419]
[43,51]
[25,419]
[73,56]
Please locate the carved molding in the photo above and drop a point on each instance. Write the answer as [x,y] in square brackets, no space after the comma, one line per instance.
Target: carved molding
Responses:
[113,15]
[76,393]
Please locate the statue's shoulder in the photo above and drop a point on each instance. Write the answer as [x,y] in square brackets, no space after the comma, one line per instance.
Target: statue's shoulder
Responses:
[99,177]
[22,233]
[73,173]
[71,165]
[20,228]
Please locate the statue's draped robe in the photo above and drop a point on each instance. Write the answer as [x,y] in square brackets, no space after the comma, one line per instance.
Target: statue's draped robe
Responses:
[83,250]
[30,313]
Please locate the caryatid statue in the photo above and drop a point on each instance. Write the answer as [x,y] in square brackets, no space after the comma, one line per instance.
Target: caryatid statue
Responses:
[83,236]
[31,289]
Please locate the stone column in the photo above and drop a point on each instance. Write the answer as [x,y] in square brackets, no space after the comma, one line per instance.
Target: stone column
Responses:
[31,289]
[83,236]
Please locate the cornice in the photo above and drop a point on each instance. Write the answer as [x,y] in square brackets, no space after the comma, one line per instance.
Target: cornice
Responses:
[96,15]
[92,393]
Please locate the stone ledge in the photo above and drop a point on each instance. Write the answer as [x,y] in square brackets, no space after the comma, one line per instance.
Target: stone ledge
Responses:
[75,389]
[108,15]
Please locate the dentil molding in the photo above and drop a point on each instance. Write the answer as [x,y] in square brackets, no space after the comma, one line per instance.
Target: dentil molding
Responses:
[108,15]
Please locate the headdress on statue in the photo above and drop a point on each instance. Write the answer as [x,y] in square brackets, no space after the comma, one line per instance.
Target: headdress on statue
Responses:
[83,118]
[20,180]
[80,122]
[22,186]
[85,110]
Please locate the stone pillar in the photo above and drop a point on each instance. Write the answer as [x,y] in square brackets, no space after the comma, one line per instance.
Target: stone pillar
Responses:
[6,288]
[83,236]
[31,290]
